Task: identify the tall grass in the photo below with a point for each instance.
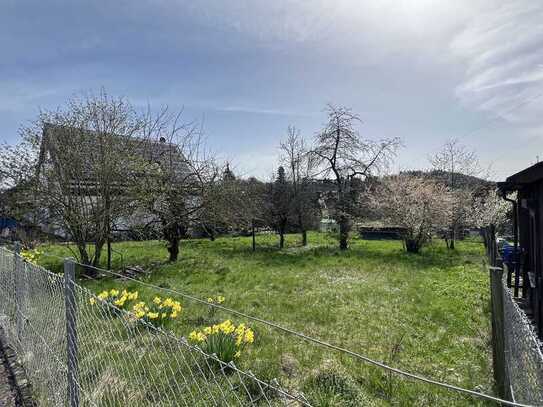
(426, 313)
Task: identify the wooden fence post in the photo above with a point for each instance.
(498, 332)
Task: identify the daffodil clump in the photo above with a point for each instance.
(225, 340)
(158, 312)
(31, 256)
(120, 299)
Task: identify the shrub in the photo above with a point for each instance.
(225, 340)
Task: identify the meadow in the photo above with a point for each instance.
(425, 313)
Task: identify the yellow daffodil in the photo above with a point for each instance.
(249, 336)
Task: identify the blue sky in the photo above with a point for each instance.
(421, 70)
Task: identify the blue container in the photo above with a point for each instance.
(7, 223)
(508, 253)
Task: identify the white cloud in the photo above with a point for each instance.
(256, 110)
(501, 49)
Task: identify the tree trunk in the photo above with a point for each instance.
(412, 246)
(254, 235)
(304, 237)
(85, 260)
(344, 229)
(173, 232)
(281, 239)
(173, 248)
(108, 253)
(451, 242)
(97, 253)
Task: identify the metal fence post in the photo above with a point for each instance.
(17, 274)
(71, 332)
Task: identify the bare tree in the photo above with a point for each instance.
(342, 154)
(456, 160)
(235, 205)
(216, 201)
(300, 165)
(417, 204)
(78, 158)
(173, 179)
(17, 169)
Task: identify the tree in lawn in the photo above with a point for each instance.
(251, 206)
(489, 208)
(454, 160)
(219, 199)
(343, 155)
(300, 166)
(81, 156)
(281, 205)
(237, 205)
(17, 170)
(417, 204)
(172, 183)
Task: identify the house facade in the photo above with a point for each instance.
(74, 156)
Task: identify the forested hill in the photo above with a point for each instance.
(460, 180)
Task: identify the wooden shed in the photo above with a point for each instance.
(526, 276)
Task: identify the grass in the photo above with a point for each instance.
(425, 313)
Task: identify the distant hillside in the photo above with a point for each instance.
(460, 180)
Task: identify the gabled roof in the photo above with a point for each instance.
(156, 151)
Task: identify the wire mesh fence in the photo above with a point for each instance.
(80, 350)
(524, 359)
(518, 359)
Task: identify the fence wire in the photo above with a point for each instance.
(518, 357)
(523, 357)
(118, 360)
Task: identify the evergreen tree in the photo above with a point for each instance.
(280, 205)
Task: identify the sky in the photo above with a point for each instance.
(425, 71)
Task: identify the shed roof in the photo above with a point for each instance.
(527, 176)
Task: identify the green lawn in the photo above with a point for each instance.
(425, 313)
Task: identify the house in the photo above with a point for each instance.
(84, 162)
(526, 269)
